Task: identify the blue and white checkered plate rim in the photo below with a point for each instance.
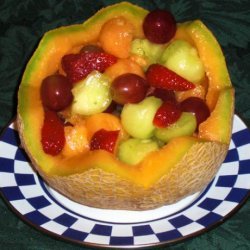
(54, 214)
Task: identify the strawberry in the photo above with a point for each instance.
(53, 138)
(104, 139)
(78, 66)
(167, 114)
(161, 77)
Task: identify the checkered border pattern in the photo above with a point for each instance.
(21, 187)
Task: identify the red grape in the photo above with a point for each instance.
(91, 48)
(163, 94)
(197, 106)
(129, 88)
(56, 92)
(159, 26)
(111, 108)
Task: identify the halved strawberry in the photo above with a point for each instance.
(53, 138)
(161, 77)
(104, 139)
(78, 66)
(167, 114)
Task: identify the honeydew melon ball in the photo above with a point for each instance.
(184, 126)
(92, 95)
(133, 150)
(148, 50)
(182, 58)
(137, 119)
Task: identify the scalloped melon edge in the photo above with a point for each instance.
(99, 188)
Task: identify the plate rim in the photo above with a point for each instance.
(175, 241)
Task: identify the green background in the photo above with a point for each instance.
(22, 24)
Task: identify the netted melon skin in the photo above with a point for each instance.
(100, 189)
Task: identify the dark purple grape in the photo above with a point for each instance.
(91, 48)
(111, 108)
(159, 26)
(129, 88)
(198, 107)
(163, 94)
(56, 92)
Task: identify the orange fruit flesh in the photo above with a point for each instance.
(76, 140)
(124, 66)
(116, 36)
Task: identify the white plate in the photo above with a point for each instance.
(54, 214)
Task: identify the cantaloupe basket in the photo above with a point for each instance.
(97, 178)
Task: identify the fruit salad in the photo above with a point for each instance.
(129, 110)
(154, 87)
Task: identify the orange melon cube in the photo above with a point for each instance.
(116, 36)
(104, 121)
(76, 140)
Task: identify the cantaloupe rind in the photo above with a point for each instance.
(182, 167)
(102, 189)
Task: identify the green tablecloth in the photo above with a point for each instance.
(22, 25)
